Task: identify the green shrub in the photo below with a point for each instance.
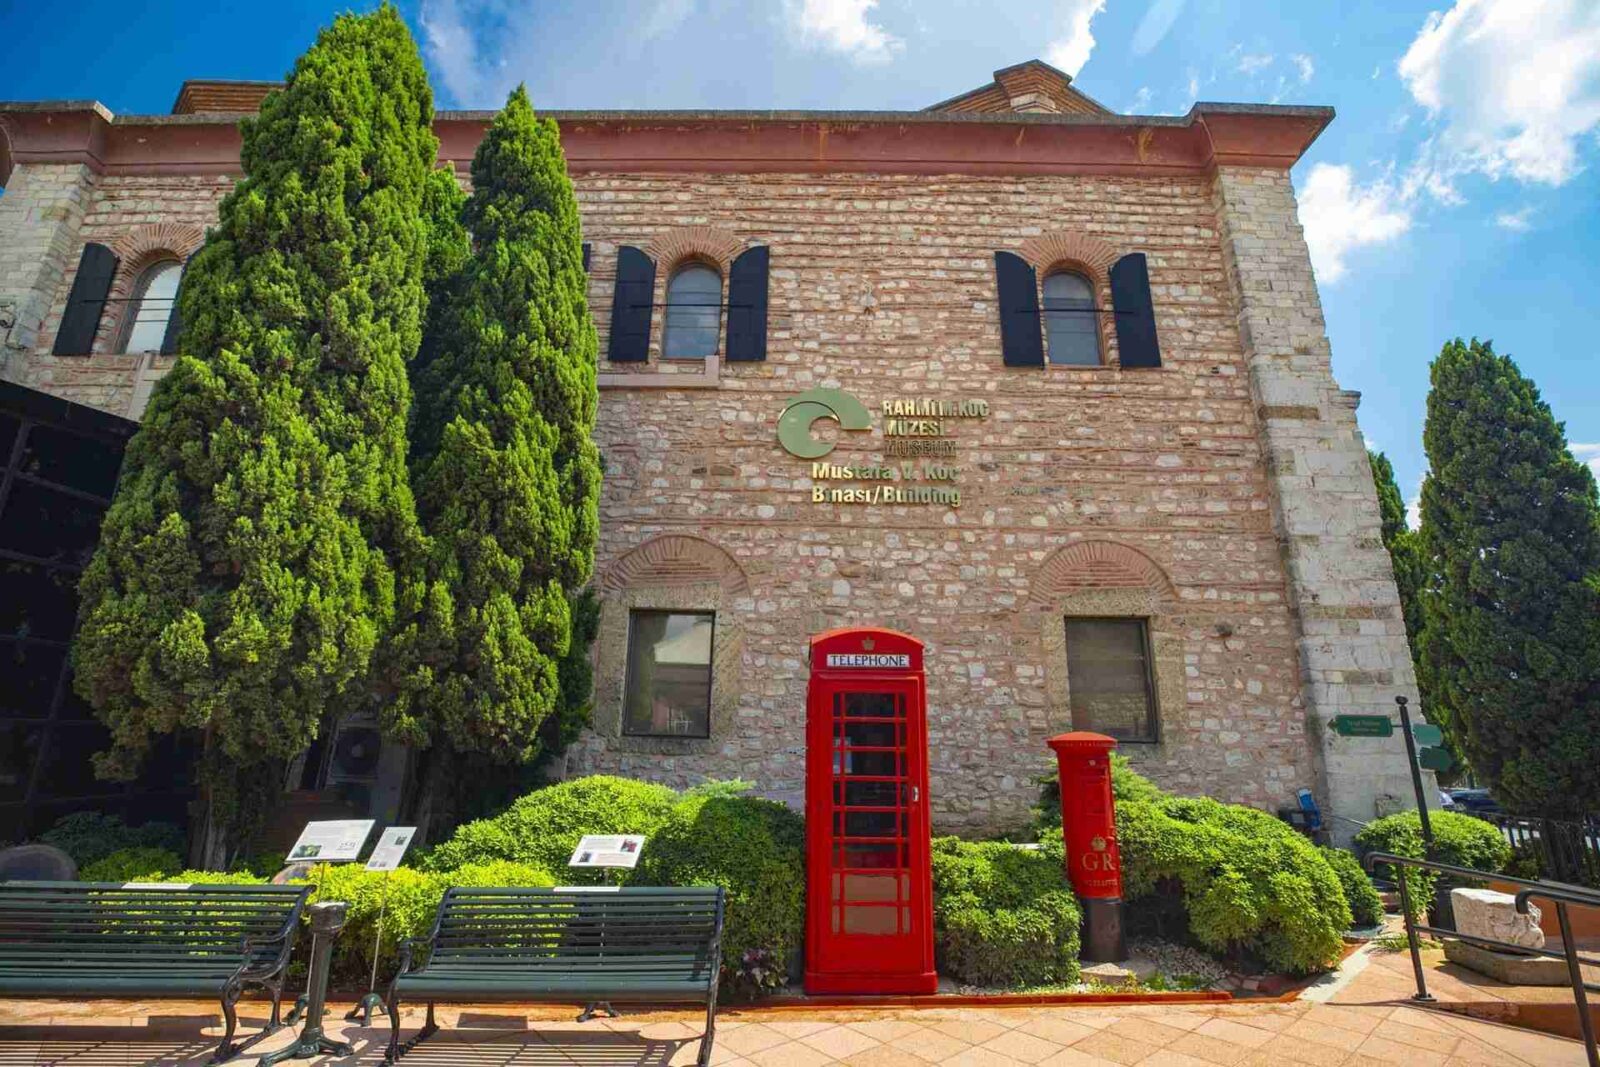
(89, 836)
(1246, 883)
(543, 827)
(1366, 907)
(1460, 840)
(413, 901)
(755, 850)
(141, 864)
(1003, 916)
(193, 877)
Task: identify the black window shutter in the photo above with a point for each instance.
(1021, 339)
(747, 306)
(1136, 316)
(87, 301)
(586, 257)
(630, 306)
(169, 339)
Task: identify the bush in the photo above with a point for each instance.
(133, 865)
(193, 877)
(1458, 839)
(1003, 916)
(755, 850)
(413, 901)
(1246, 883)
(543, 827)
(1366, 907)
(90, 836)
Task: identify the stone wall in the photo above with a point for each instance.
(1085, 491)
(40, 217)
(1353, 652)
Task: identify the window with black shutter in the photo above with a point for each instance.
(1135, 313)
(1017, 292)
(630, 306)
(86, 302)
(747, 306)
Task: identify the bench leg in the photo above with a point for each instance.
(711, 1030)
(392, 1053)
(230, 1015)
(598, 1005)
(275, 1023)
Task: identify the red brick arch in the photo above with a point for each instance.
(675, 560)
(1068, 248)
(137, 251)
(710, 243)
(1095, 565)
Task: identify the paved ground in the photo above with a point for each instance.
(1359, 1018)
(89, 1034)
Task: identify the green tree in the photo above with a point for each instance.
(1403, 543)
(246, 569)
(506, 470)
(1511, 636)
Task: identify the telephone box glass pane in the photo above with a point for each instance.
(669, 675)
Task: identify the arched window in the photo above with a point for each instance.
(694, 310)
(154, 299)
(1069, 319)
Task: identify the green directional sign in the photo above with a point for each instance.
(1435, 759)
(1427, 734)
(1363, 725)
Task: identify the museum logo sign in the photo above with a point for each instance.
(916, 435)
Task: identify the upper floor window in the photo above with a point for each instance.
(694, 313)
(1109, 683)
(154, 300)
(668, 682)
(1071, 331)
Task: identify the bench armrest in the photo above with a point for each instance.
(250, 945)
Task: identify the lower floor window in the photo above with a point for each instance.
(1108, 678)
(668, 687)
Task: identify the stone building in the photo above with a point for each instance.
(1060, 405)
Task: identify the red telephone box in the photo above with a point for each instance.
(869, 924)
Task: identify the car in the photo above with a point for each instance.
(1475, 802)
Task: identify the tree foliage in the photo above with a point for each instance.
(247, 567)
(1403, 543)
(1511, 637)
(506, 470)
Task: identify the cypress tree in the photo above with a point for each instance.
(1511, 635)
(1403, 543)
(506, 470)
(246, 569)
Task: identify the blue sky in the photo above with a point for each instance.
(1455, 194)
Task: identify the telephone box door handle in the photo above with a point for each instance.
(915, 794)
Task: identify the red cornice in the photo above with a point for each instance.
(711, 142)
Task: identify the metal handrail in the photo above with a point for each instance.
(1559, 893)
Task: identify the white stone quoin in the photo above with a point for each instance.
(1487, 913)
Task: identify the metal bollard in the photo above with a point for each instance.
(327, 919)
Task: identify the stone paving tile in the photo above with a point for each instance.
(1115, 1047)
(1024, 1048)
(1233, 1032)
(1061, 1028)
(1146, 1030)
(930, 1045)
(790, 1054)
(1076, 1057)
(974, 1031)
(838, 1042)
(885, 1030)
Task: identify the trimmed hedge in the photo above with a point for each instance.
(755, 850)
(1366, 907)
(90, 836)
(542, 828)
(1457, 839)
(413, 901)
(133, 865)
(1003, 916)
(1247, 883)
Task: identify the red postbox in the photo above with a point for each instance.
(1089, 832)
(869, 921)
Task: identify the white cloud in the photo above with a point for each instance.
(1519, 221)
(1141, 100)
(1589, 454)
(1305, 66)
(1414, 504)
(1070, 51)
(665, 16)
(1339, 216)
(453, 49)
(842, 26)
(1194, 84)
(1376, 71)
(1514, 86)
(1253, 64)
(1157, 21)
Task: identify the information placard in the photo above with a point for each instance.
(607, 850)
(391, 848)
(335, 841)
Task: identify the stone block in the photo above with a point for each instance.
(1492, 914)
(1507, 967)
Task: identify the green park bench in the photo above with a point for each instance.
(106, 939)
(585, 945)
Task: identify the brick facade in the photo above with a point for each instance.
(1224, 497)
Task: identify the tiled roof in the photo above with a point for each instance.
(1034, 86)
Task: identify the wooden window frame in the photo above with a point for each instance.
(627, 672)
(1152, 701)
